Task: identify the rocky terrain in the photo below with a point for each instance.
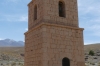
(11, 53)
(95, 59)
(11, 56)
(14, 56)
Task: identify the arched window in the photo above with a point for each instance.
(65, 62)
(61, 9)
(35, 12)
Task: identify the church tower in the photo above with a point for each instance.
(53, 37)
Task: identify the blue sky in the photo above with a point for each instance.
(14, 20)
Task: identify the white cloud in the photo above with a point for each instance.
(95, 27)
(26, 29)
(23, 18)
(14, 18)
(1, 39)
(89, 14)
(5, 2)
(95, 30)
(89, 6)
(91, 42)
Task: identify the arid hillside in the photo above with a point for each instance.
(12, 53)
(95, 47)
(17, 53)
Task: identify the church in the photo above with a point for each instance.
(54, 37)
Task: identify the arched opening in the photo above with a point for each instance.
(35, 12)
(61, 9)
(65, 62)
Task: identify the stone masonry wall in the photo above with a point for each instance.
(60, 42)
(40, 12)
(48, 11)
(33, 47)
(48, 44)
(51, 12)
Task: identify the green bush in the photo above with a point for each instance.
(91, 52)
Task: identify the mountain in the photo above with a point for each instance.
(11, 43)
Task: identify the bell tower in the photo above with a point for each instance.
(53, 37)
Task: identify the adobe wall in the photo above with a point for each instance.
(50, 43)
(33, 47)
(62, 41)
(48, 11)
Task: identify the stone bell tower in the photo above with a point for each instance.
(53, 37)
